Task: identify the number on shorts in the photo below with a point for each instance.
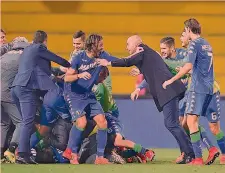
(214, 116)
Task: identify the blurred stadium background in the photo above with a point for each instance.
(116, 21)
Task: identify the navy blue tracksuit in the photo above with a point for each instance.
(32, 81)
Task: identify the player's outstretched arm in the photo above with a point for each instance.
(48, 55)
(186, 68)
(131, 60)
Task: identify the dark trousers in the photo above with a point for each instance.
(171, 121)
(27, 101)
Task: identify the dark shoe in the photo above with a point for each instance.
(184, 159)
(22, 160)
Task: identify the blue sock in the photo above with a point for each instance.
(101, 141)
(196, 143)
(75, 136)
(221, 141)
(34, 139)
(205, 138)
(70, 142)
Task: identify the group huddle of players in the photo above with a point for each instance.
(83, 96)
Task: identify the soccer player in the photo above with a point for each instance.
(104, 96)
(78, 44)
(213, 116)
(200, 94)
(31, 82)
(78, 41)
(79, 81)
(155, 71)
(53, 108)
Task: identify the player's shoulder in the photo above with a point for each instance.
(77, 55)
(181, 52)
(203, 44)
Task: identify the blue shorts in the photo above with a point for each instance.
(197, 103)
(83, 104)
(213, 110)
(114, 125)
(54, 106)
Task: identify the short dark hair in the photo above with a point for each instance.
(79, 34)
(92, 39)
(193, 25)
(40, 36)
(3, 31)
(170, 41)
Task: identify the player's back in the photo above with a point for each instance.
(203, 73)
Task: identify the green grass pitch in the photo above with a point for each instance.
(163, 163)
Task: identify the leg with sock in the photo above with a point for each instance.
(221, 143)
(196, 143)
(101, 138)
(192, 121)
(75, 139)
(35, 138)
(101, 141)
(204, 138)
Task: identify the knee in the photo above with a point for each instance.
(101, 121)
(81, 122)
(192, 121)
(215, 128)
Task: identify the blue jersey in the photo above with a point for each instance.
(201, 56)
(82, 63)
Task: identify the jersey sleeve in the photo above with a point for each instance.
(107, 56)
(192, 52)
(75, 61)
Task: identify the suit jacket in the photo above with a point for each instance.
(35, 67)
(155, 72)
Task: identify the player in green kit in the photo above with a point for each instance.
(103, 93)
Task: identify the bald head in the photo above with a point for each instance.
(133, 42)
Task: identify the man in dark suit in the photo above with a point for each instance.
(32, 81)
(155, 72)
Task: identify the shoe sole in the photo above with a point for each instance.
(214, 158)
(20, 162)
(152, 158)
(10, 160)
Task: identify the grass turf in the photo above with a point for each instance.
(163, 163)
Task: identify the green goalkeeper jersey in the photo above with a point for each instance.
(103, 93)
(179, 61)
